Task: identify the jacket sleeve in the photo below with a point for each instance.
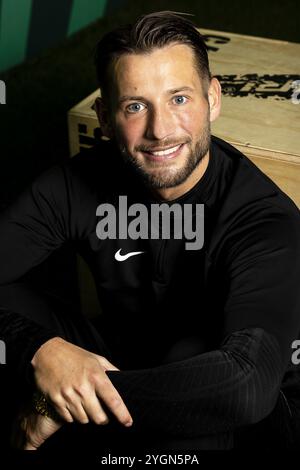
(30, 229)
(237, 384)
(33, 226)
(214, 392)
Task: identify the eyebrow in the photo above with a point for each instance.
(142, 98)
(177, 90)
(130, 98)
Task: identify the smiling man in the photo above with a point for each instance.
(165, 130)
(193, 349)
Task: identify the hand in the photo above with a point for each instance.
(37, 429)
(32, 429)
(75, 382)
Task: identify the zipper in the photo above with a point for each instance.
(286, 402)
(160, 260)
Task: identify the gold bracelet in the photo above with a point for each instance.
(43, 407)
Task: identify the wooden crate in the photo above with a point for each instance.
(260, 114)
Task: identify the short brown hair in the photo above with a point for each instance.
(147, 33)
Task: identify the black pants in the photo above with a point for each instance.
(65, 319)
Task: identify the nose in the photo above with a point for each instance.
(160, 124)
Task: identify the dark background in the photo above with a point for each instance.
(33, 123)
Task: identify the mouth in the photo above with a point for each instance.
(162, 154)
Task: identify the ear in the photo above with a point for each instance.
(103, 117)
(214, 98)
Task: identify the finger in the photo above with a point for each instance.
(105, 363)
(38, 429)
(33, 439)
(77, 412)
(29, 446)
(94, 409)
(60, 407)
(64, 413)
(70, 405)
(112, 399)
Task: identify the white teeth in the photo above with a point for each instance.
(167, 151)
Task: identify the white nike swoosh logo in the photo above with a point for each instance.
(120, 257)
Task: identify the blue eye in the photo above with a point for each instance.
(135, 107)
(180, 99)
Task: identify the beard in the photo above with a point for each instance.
(164, 177)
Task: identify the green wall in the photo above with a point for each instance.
(13, 31)
(82, 15)
(29, 26)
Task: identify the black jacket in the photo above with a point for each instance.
(237, 298)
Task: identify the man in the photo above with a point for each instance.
(202, 336)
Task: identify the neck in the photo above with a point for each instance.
(169, 194)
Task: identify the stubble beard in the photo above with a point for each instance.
(163, 179)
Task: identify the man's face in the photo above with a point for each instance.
(160, 114)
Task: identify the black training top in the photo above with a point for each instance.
(237, 298)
